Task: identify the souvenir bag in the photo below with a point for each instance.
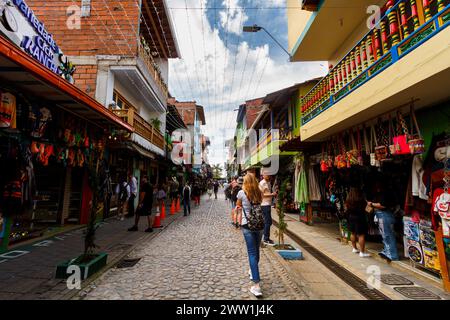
(401, 146)
(255, 218)
(373, 145)
(416, 141)
(381, 151)
(341, 158)
(360, 159)
(352, 155)
(392, 150)
(324, 162)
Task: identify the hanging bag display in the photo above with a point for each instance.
(392, 149)
(374, 162)
(381, 151)
(401, 146)
(324, 162)
(352, 155)
(416, 142)
(359, 147)
(341, 158)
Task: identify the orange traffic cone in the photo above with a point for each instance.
(163, 211)
(178, 205)
(157, 222)
(172, 208)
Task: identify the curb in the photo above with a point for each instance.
(74, 294)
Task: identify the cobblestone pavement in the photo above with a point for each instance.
(197, 257)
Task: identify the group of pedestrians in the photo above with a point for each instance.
(251, 202)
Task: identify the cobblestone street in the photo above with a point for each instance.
(197, 257)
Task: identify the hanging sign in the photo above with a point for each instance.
(19, 24)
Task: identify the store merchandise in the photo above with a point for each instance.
(7, 110)
(431, 259)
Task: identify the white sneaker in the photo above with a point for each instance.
(256, 291)
(355, 250)
(250, 274)
(364, 255)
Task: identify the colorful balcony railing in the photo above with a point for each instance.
(144, 53)
(405, 25)
(142, 127)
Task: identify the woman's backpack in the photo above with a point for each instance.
(255, 219)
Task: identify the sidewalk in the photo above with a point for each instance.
(27, 271)
(326, 241)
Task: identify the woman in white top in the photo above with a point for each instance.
(251, 194)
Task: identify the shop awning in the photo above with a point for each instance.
(21, 71)
(301, 146)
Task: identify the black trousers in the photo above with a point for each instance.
(131, 205)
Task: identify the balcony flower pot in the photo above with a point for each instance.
(288, 252)
(88, 264)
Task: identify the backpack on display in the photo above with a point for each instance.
(255, 219)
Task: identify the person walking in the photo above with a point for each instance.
(133, 193)
(187, 199)
(123, 194)
(355, 207)
(248, 198)
(266, 206)
(210, 189)
(216, 189)
(383, 203)
(196, 193)
(145, 205)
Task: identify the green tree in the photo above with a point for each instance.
(217, 171)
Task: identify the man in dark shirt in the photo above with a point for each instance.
(145, 205)
(216, 188)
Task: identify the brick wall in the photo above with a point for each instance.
(111, 29)
(86, 78)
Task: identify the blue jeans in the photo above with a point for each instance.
(267, 211)
(253, 242)
(386, 221)
(187, 206)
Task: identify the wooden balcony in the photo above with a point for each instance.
(145, 54)
(141, 127)
(405, 26)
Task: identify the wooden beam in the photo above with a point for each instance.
(161, 43)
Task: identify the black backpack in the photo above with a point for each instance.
(228, 192)
(255, 218)
(123, 194)
(235, 192)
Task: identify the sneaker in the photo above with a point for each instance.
(250, 274)
(364, 255)
(382, 255)
(269, 242)
(256, 291)
(133, 228)
(149, 230)
(355, 250)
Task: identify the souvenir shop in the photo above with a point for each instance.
(49, 132)
(406, 153)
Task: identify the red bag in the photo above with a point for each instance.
(416, 142)
(401, 146)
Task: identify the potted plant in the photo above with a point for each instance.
(90, 262)
(286, 251)
(156, 123)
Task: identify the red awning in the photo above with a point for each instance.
(21, 70)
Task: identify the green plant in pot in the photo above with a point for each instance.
(281, 209)
(90, 261)
(156, 123)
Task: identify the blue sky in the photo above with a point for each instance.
(221, 67)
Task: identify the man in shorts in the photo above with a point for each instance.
(145, 205)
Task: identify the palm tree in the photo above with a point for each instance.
(217, 171)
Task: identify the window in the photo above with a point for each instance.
(85, 8)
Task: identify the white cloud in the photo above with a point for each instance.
(233, 16)
(222, 77)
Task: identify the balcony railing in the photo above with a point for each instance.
(141, 127)
(404, 26)
(144, 53)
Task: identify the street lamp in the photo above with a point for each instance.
(256, 28)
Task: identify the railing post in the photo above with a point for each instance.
(427, 10)
(364, 55)
(393, 23)
(404, 19)
(441, 5)
(353, 58)
(384, 37)
(130, 117)
(415, 14)
(378, 51)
